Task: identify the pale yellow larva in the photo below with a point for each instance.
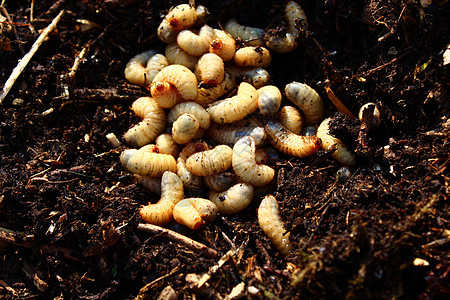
(290, 143)
(210, 69)
(153, 123)
(210, 162)
(195, 212)
(291, 118)
(271, 224)
(172, 192)
(269, 100)
(193, 147)
(190, 181)
(308, 100)
(235, 108)
(341, 153)
(165, 94)
(252, 57)
(191, 108)
(152, 184)
(282, 44)
(166, 32)
(252, 36)
(223, 45)
(220, 182)
(193, 43)
(135, 70)
(177, 56)
(185, 129)
(261, 156)
(155, 64)
(233, 200)
(256, 76)
(206, 96)
(167, 145)
(181, 16)
(147, 163)
(230, 133)
(150, 148)
(245, 166)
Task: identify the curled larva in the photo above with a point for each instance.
(166, 33)
(210, 69)
(245, 166)
(165, 94)
(136, 69)
(291, 118)
(270, 222)
(230, 133)
(190, 181)
(223, 45)
(256, 76)
(147, 163)
(290, 143)
(153, 123)
(206, 96)
(195, 212)
(220, 182)
(282, 44)
(155, 64)
(252, 36)
(374, 115)
(210, 162)
(152, 184)
(234, 200)
(167, 145)
(235, 108)
(185, 129)
(269, 100)
(150, 148)
(193, 43)
(341, 153)
(181, 16)
(177, 56)
(161, 213)
(252, 57)
(308, 100)
(191, 108)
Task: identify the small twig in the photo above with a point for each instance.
(8, 288)
(190, 243)
(338, 103)
(26, 59)
(31, 273)
(52, 9)
(150, 285)
(369, 72)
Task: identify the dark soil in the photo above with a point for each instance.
(69, 211)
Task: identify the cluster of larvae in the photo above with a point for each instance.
(198, 133)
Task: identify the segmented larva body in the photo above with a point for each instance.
(136, 69)
(290, 143)
(181, 16)
(150, 127)
(376, 115)
(261, 156)
(270, 222)
(210, 162)
(291, 118)
(294, 13)
(167, 145)
(147, 163)
(252, 57)
(230, 133)
(150, 148)
(223, 45)
(152, 184)
(155, 64)
(282, 44)
(195, 212)
(342, 154)
(190, 180)
(234, 200)
(165, 94)
(206, 96)
(193, 147)
(202, 15)
(245, 166)
(220, 182)
(166, 33)
(308, 100)
(185, 129)
(210, 69)
(251, 35)
(177, 56)
(193, 43)
(191, 108)
(256, 76)
(269, 100)
(172, 192)
(235, 108)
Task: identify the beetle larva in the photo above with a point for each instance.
(290, 143)
(167, 145)
(190, 180)
(161, 213)
(135, 70)
(375, 115)
(291, 118)
(166, 33)
(252, 36)
(185, 129)
(177, 56)
(295, 13)
(261, 156)
(210, 162)
(342, 154)
(256, 76)
(206, 96)
(181, 16)
(150, 148)
(153, 184)
(210, 69)
(252, 57)
(195, 44)
(234, 200)
(270, 222)
(269, 100)
(220, 182)
(165, 94)
(308, 100)
(202, 15)
(148, 129)
(146, 163)
(191, 108)
(230, 133)
(195, 212)
(245, 166)
(282, 44)
(223, 45)
(235, 108)
(155, 64)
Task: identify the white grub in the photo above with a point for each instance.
(235, 108)
(308, 100)
(234, 200)
(291, 118)
(147, 163)
(223, 45)
(290, 143)
(245, 166)
(252, 36)
(206, 96)
(165, 94)
(161, 213)
(191, 108)
(341, 153)
(152, 184)
(282, 44)
(210, 69)
(230, 133)
(271, 224)
(113, 140)
(256, 76)
(177, 56)
(153, 123)
(195, 212)
(151, 148)
(136, 69)
(193, 147)
(185, 129)
(178, 18)
(167, 145)
(252, 57)
(261, 156)
(373, 117)
(155, 64)
(210, 162)
(166, 33)
(269, 100)
(220, 182)
(193, 43)
(190, 181)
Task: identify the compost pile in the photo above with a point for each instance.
(69, 212)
